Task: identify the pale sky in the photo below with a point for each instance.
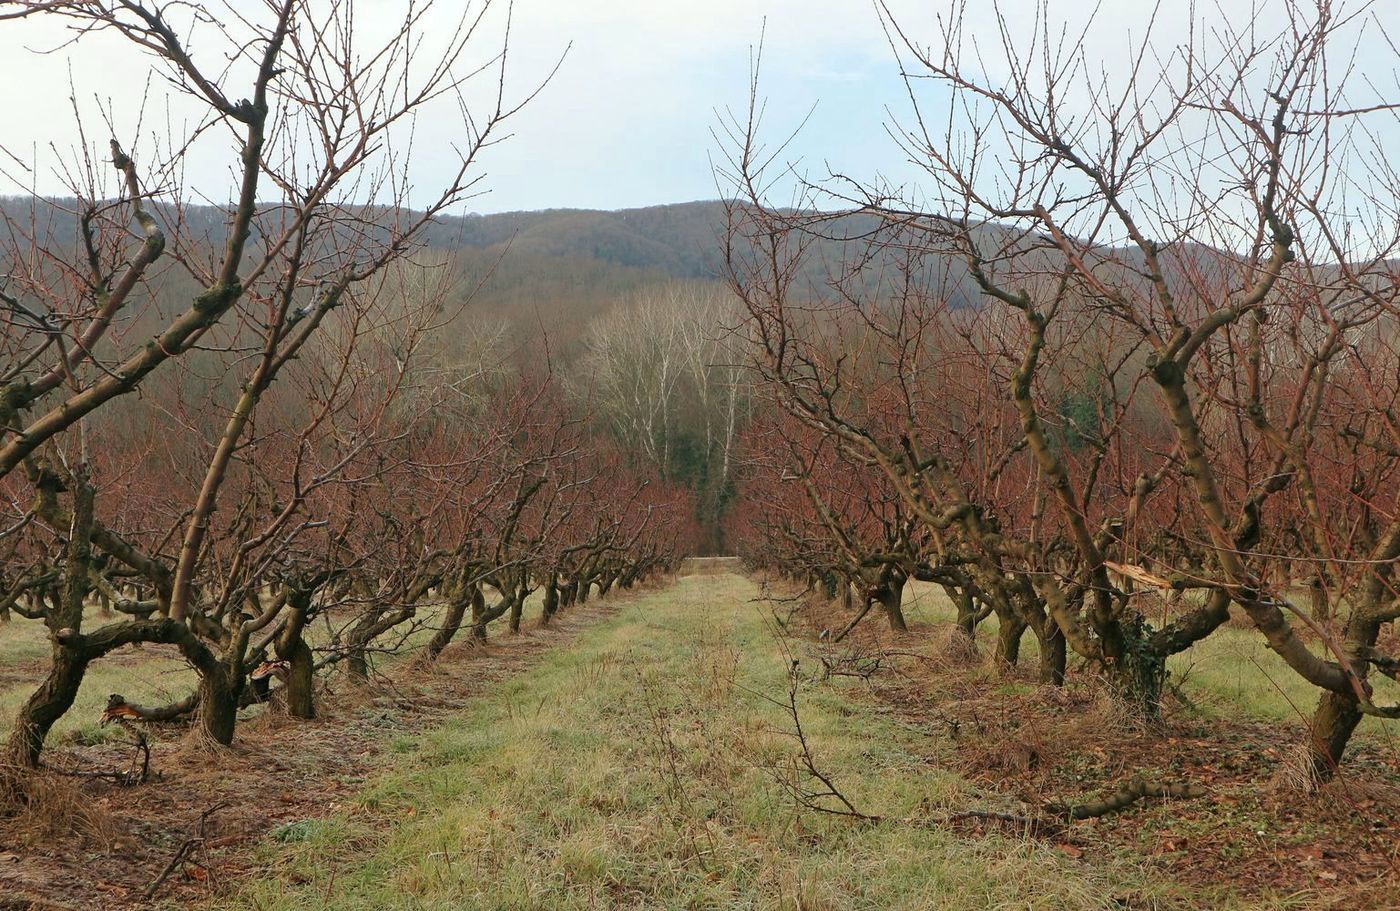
(628, 119)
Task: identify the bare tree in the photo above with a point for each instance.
(662, 372)
(288, 284)
(1167, 315)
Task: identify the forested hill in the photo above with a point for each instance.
(559, 264)
(595, 298)
(682, 240)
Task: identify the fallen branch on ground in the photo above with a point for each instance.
(185, 853)
(1126, 796)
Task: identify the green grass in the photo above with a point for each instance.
(628, 770)
(150, 675)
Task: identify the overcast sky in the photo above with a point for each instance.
(628, 119)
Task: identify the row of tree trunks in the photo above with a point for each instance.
(223, 681)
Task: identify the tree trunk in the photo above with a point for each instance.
(1318, 595)
(1052, 653)
(357, 649)
(517, 610)
(967, 610)
(1010, 629)
(551, 599)
(582, 586)
(69, 662)
(301, 679)
(357, 664)
(357, 646)
(372, 625)
(479, 618)
(1329, 732)
(451, 622)
(891, 597)
(44, 707)
(291, 647)
(218, 703)
(1337, 714)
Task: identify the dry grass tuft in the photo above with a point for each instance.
(45, 807)
(197, 746)
(953, 647)
(1108, 716)
(1295, 772)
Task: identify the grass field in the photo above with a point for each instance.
(643, 765)
(631, 770)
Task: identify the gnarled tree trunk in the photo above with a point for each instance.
(517, 610)
(68, 663)
(551, 599)
(890, 596)
(457, 604)
(1338, 714)
(44, 707)
(1010, 629)
(291, 647)
(480, 615)
(1052, 653)
(219, 690)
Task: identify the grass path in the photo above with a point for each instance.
(627, 771)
